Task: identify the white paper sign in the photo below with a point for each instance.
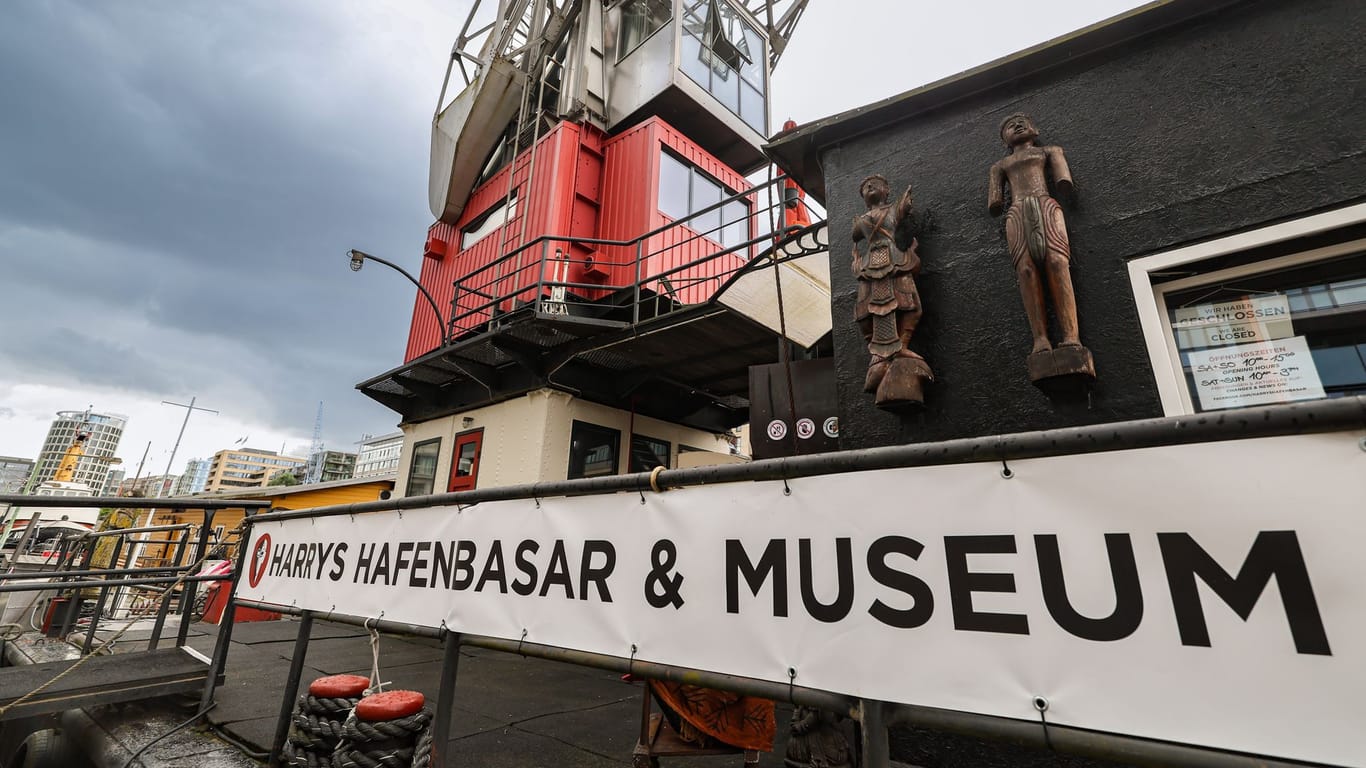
(1205, 594)
(1245, 320)
(1255, 374)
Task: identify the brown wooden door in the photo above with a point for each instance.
(465, 460)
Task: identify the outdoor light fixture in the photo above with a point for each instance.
(358, 260)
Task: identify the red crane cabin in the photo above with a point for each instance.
(586, 185)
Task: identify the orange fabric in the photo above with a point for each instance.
(746, 722)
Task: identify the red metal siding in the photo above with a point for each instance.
(630, 181)
(631, 208)
(680, 246)
(562, 199)
(585, 186)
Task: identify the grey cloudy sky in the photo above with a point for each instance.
(179, 182)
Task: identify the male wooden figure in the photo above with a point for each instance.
(888, 306)
(1036, 236)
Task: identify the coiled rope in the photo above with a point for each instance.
(401, 742)
(348, 721)
(319, 717)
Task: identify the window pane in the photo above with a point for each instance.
(639, 20)
(464, 463)
(673, 186)
(1349, 292)
(648, 453)
(422, 471)
(752, 109)
(592, 450)
(1340, 366)
(488, 223)
(693, 61)
(725, 86)
(735, 223)
(753, 70)
(727, 37)
(705, 192)
(1272, 336)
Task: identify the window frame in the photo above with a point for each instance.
(1150, 298)
(412, 461)
(574, 428)
(709, 58)
(728, 197)
(456, 482)
(631, 455)
(504, 208)
(622, 51)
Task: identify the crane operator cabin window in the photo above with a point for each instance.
(639, 20)
(725, 55)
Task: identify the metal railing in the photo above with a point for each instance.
(683, 263)
(1347, 413)
(86, 574)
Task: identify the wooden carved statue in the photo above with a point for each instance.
(817, 740)
(888, 305)
(1036, 237)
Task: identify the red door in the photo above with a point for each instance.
(465, 460)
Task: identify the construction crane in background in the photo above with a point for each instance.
(315, 449)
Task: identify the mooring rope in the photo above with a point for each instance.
(404, 742)
(343, 723)
(318, 720)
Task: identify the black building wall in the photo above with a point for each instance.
(1240, 118)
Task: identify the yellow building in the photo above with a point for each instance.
(227, 521)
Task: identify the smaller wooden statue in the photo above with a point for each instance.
(817, 740)
(888, 306)
(1036, 237)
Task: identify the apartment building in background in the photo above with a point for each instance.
(327, 466)
(193, 479)
(150, 487)
(233, 469)
(379, 455)
(104, 430)
(14, 473)
(112, 483)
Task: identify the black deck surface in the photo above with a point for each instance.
(509, 711)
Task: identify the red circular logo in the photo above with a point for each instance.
(260, 556)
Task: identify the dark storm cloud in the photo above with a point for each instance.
(75, 356)
(201, 169)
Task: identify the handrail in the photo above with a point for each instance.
(124, 502)
(180, 582)
(485, 281)
(145, 529)
(112, 583)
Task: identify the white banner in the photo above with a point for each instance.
(1206, 594)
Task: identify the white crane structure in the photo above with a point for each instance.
(526, 64)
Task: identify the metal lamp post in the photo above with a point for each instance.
(358, 259)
